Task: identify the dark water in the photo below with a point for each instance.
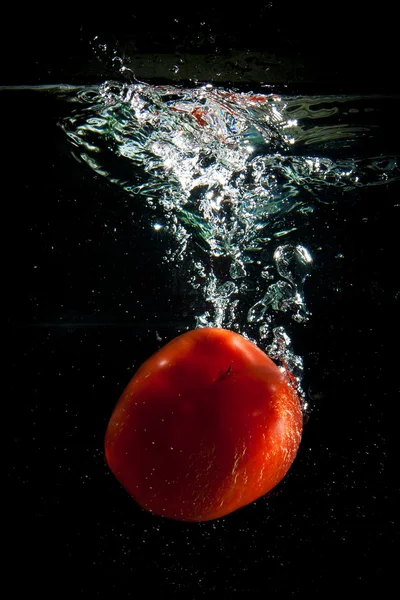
(93, 288)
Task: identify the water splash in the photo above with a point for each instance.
(230, 176)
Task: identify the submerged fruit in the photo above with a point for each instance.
(207, 425)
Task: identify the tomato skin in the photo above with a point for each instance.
(206, 425)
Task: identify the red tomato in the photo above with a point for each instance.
(207, 425)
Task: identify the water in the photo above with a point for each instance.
(233, 179)
(83, 251)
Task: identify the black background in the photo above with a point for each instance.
(86, 305)
(334, 45)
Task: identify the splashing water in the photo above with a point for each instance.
(229, 175)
